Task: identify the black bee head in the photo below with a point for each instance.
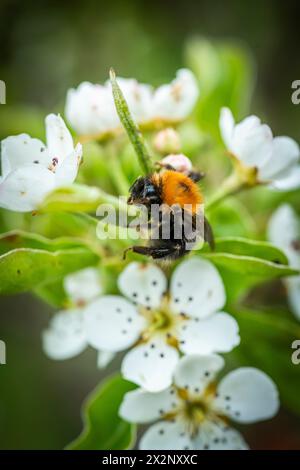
(144, 191)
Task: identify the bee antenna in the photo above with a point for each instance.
(126, 251)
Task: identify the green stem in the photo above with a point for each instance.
(130, 126)
(231, 185)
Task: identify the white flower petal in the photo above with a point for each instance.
(197, 288)
(166, 435)
(293, 288)
(20, 150)
(140, 406)
(65, 337)
(59, 139)
(218, 436)
(90, 109)
(284, 230)
(143, 283)
(247, 395)
(66, 172)
(195, 372)
(284, 156)
(104, 358)
(137, 95)
(84, 285)
(252, 142)
(283, 226)
(25, 188)
(290, 182)
(112, 323)
(176, 100)
(151, 365)
(226, 126)
(218, 333)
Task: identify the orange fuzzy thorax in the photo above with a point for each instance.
(178, 188)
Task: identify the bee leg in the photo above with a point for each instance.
(170, 251)
(165, 166)
(161, 252)
(208, 234)
(156, 252)
(196, 176)
(141, 250)
(126, 251)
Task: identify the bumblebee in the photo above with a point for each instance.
(172, 191)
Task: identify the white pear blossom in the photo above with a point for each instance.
(157, 324)
(291, 182)
(30, 169)
(175, 101)
(275, 159)
(90, 108)
(284, 232)
(138, 97)
(83, 286)
(66, 337)
(194, 413)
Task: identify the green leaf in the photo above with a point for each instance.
(226, 77)
(130, 126)
(11, 220)
(53, 293)
(23, 269)
(246, 247)
(103, 428)
(240, 272)
(232, 217)
(266, 340)
(260, 269)
(76, 198)
(21, 239)
(70, 224)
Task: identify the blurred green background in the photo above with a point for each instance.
(49, 46)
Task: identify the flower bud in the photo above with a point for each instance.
(167, 141)
(178, 162)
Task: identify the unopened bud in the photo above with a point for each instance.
(167, 141)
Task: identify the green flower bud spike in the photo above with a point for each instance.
(130, 126)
